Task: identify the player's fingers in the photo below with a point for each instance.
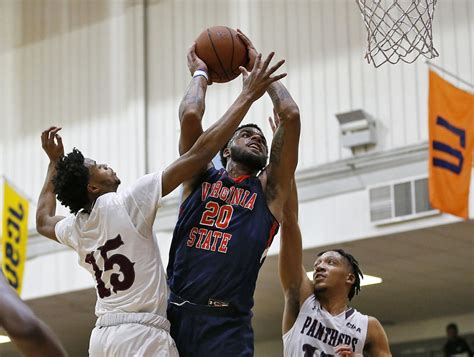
(272, 124)
(59, 139)
(276, 66)
(243, 37)
(277, 77)
(244, 71)
(53, 133)
(257, 62)
(267, 61)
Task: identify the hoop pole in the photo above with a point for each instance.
(431, 64)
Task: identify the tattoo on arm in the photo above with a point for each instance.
(194, 96)
(275, 155)
(279, 95)
(277, 145)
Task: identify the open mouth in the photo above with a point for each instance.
(255, 147)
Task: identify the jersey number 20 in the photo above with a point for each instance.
(216, 215)
(124, 264)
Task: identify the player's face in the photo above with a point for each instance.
(331, 271)
(249, 147)
(102, 177)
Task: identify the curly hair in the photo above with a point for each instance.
(221, 152)
(354, 264)
(70, 181)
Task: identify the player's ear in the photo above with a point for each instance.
(93, 189)
(226, 152)
(350, 278)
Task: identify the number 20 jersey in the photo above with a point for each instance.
(221, 239)
(116, 245)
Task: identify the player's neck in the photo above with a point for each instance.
(235, 169)
(334, 304)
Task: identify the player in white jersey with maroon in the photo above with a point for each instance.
(317, 320)
(112, 232)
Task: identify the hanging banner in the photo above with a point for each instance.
(14, 236)
(451, 135)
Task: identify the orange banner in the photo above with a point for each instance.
(451, 135)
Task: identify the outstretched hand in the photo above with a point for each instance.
(256, 82)
(52, 143)
(194, 62)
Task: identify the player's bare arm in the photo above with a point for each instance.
(191, 111)
(30, 335)
(46, 218)
(192, 106)
(284, 150)
(255, 84)
(377, 342)
(294, 281)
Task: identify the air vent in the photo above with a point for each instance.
(400, 201)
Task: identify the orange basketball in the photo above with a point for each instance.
(223, 52)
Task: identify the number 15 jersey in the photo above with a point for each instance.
(221, 239)
(115, 243)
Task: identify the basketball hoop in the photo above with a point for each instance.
(398, 30)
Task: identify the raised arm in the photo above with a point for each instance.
(46, 218)
(294, 281)
(376, 342)
(213, 139)
(31, 336)
(191, 109)
(284, 150)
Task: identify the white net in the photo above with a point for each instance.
(398, 30)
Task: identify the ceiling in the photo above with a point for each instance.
(427, 273)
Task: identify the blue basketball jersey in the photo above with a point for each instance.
(221, 239)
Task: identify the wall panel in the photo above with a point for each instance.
(77, 64)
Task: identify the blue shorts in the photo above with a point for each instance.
(199, 334)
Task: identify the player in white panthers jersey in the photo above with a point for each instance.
(317, 320)
(112, 232)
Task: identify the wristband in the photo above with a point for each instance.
(200, 72)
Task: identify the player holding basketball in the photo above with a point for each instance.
(112, 232)
(30, 335)
(317, 320)
(226, 224)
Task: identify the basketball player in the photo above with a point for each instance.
(30, 335)
(226, 224)
(112, 232)
(317, 320)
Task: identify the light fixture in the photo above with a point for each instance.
(4, 339)
(368, 279)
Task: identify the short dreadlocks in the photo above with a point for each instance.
(70, 181)
(355, 270)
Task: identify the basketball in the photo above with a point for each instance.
(223, 52)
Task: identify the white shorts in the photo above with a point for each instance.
(132, 334)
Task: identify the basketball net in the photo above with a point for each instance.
(398, 30)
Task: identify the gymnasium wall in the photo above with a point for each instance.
(88, 65)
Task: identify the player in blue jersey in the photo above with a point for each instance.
(226, 224)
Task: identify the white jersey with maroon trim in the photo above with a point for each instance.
(317, 333)
(116, 244)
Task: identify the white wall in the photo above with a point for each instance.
(324, 43)
(80, 64)
(76, 64)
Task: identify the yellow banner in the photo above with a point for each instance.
(15, 236)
